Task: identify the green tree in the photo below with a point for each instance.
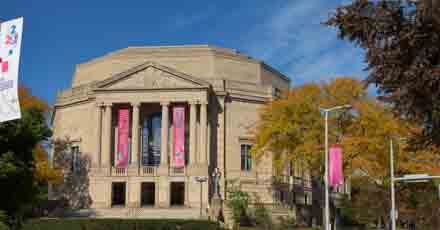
(18, 140)
(400, 39)
(292, 129)
(238, 202)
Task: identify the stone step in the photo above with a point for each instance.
(147, 213)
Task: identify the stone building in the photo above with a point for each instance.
(135, 169)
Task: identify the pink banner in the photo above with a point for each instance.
(179, 136)
(123, 135)
(336, 174)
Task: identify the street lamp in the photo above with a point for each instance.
(201, 179)
(326, 187)
(412, 178)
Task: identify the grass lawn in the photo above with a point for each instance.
(118, 224)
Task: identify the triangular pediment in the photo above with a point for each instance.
(151, 76)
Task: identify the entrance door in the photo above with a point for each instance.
(118, 194)
(177, 193)
(151, 139)
(147, 194)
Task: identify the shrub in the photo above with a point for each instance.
(3, 220)
(118, 224)
(262, 217)
(238, 202)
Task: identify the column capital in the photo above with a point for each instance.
(193, 102)
(107, 104)
(164, 103)
(99, 104)
(203, 102)
(135, 104)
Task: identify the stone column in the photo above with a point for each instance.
(164, 134)
(192, 133)
(97, 155)
(135, 135)
(203, 133)
(221, 142)
(106, 136)
(170, 143)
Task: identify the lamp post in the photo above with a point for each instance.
(413, 178)
(393, 196)
(201, 179)
(326, 186)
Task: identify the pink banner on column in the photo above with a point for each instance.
(336, 175)
(179, 136)
(123, 134)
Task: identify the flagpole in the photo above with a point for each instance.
(326, 187)
(393, 198)
(326, 174)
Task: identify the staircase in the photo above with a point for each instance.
(141, 213)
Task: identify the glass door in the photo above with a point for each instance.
(151, 140)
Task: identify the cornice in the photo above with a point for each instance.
(275, 71)
(249, 98)
(155, 51)
(72, 103)
(99, 90)
(179, 51)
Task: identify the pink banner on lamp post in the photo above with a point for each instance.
(179, 136)
(336, 175)
(123, 137)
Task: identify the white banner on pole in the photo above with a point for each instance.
(10, 46)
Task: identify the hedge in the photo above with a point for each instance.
(118, 224)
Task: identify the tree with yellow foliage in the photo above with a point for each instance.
(43, 172)
(292, 130)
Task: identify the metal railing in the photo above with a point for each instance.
(118, 171)
(148, 171)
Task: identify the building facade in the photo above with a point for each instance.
(154, 120)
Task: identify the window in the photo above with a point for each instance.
(246, 158)
(276, 92)
(75, 158)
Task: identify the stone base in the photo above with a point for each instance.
(162, 170)
(216, 207)
(150, 213)
(133, 170)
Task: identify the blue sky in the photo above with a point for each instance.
(286, 34)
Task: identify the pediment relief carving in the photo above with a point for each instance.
(150, 78)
